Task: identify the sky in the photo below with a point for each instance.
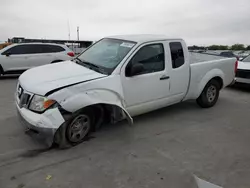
(199, 22)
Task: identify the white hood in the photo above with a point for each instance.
(244, 65)
(41, 80)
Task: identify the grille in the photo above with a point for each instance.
(243, 73)
(23, 97)
(24, 100)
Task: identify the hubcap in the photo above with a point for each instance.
(211, 93)
(78, 128)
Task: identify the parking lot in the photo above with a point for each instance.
(164, 148)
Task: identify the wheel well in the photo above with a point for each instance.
(56, 61)
(105, 113)
(219, 80)
(1, 69)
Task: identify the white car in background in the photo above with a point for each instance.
(243, 71)
(16, 58)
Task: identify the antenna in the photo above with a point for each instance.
(77, 32)
(78, 35)
(68, 30)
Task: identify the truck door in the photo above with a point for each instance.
(145, 79)
(179, 71)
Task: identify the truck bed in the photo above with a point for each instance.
(196, 57)
(203, 67)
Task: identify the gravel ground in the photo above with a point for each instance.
(164, 148)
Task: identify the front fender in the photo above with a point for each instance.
(208, 76)
(73, 102)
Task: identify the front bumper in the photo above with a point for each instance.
(42, 126)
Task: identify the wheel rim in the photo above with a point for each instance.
(78, 128)
(211, 93)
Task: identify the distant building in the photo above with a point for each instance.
(79, 43)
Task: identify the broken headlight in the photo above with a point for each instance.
(40, 103)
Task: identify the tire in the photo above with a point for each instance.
(209, 95)
(75, 130)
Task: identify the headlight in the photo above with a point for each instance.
(40, 104)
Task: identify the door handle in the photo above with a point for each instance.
(164, 77)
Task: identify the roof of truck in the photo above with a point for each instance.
(143, 37)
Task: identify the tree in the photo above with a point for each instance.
(218, 47)
(194, 47)
(238, 47)
(248, 47)
(213, 47)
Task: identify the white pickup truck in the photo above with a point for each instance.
(116, 78)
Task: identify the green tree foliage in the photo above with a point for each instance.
(238, 47)
(225, 47)
(218, 47)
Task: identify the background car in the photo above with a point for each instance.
(16, 58)
(229, 54)
(243, 71)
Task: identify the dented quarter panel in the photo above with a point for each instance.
(106, 90)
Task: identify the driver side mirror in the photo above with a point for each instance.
(136, 69)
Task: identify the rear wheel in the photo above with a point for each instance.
(209, 95)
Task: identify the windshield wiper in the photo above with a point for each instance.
(90, 65)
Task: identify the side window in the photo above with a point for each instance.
(177, 54)
(16, 50)
(151, 57)
(23, 49)
(34, 49)
(57, 48)
(52, 48)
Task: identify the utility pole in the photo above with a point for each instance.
(68, 30)
(78, 35)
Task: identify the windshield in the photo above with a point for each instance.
(106, 54)
(247, 59)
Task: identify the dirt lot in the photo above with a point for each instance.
(163, 149)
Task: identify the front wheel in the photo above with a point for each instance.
(78, 128)
(209, 95)
(75, 130)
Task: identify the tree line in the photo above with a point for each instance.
(221, 47)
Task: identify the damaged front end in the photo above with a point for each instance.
(41, 126)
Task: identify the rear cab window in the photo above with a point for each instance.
(177, 54)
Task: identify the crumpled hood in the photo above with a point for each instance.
(244, 65)
(41, 80)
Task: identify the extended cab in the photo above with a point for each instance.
(116, 78)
